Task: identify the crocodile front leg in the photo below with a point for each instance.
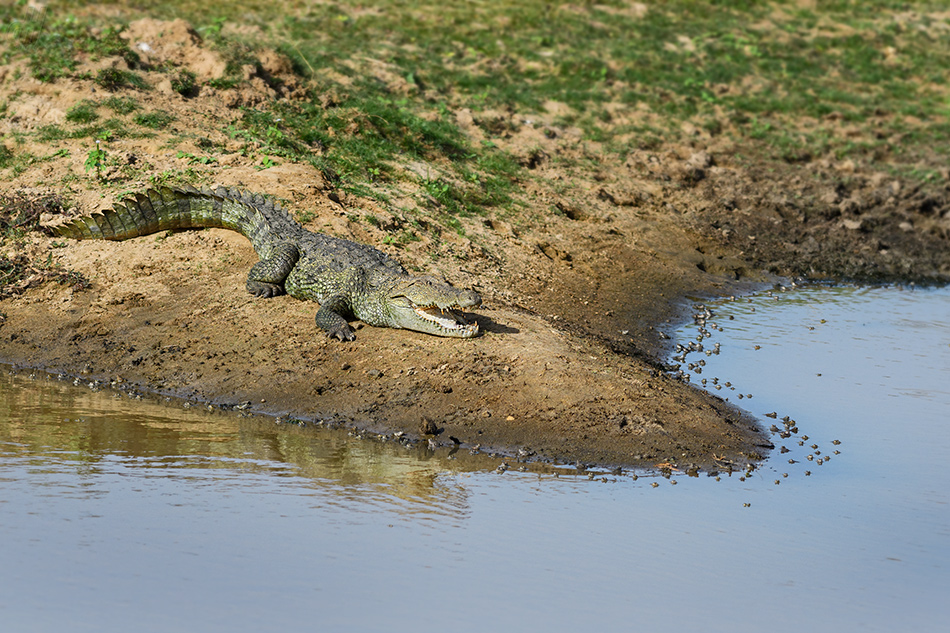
(329, 318)
(266, 278)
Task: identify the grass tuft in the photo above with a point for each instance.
(114, 79)
(156, 119)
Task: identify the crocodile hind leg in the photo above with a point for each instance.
(266, 278)
(329, 318)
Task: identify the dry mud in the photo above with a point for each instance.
(570, 363)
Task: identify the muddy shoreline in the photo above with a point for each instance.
(522, 389)
(169, 316)
(599, 254)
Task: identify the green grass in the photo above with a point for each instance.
(121, 105)
(106, 130)
(82, 112)
(114, 79)
(681, 60)
(185, 83)
(156, 119)
(52, 43)
(7, 157)
(179, 177)
(780, 80)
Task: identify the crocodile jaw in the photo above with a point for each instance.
(432, 306)
(447, 322)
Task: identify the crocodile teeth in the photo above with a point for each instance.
(446, 318)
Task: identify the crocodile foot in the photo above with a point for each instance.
(343, 332)
(264, 289)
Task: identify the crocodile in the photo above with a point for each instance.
(348, 279)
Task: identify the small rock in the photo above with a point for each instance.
(428, 427)
(851, 225)
(700, 160)
(846, 166)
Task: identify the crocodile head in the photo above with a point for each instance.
(430, 305)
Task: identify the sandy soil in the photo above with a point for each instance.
(571, 362)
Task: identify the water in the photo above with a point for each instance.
(117, 514)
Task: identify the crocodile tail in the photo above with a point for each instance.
(169, 208)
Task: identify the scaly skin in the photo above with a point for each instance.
(348, 279)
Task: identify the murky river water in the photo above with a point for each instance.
(118, 514)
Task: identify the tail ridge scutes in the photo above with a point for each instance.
(166, 208)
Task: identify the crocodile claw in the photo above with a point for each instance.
(263, 289)
(344, 333)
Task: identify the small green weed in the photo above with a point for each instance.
(52, 133)
(185, 83)
(196, 160)
(187, 176)
(305, 217)
(82, 112)
(223, 83)
(121, 105)
(6, 157)
(156, 119)
(113, 79)
(107, 130)
(96, 159)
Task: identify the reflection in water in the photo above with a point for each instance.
(75, 431)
